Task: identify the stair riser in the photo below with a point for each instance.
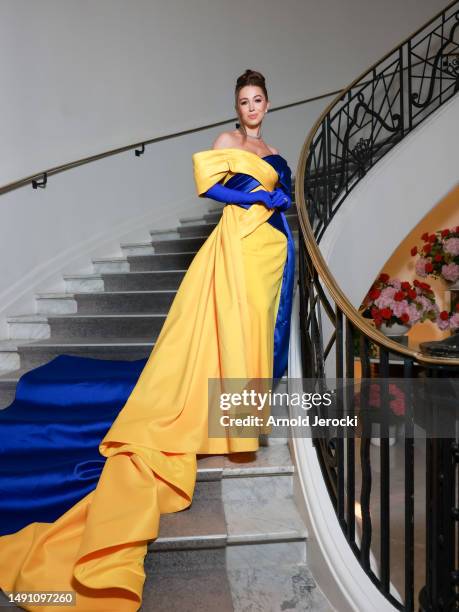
(125, 303)
(137, 249)
(77, 285)
(191, 220)
(164, 234)
(110, 266)
(9, 360)
(28, 331)
(56, 305)
(116, 327)
(7, 391)
(165, 261)
(31, 358)
(204, 229)
(261, 489)
(174, 561)
(133, 282)
(186, 589)
(178, 246)
(268, 554)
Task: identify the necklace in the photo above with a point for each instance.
(249, 135)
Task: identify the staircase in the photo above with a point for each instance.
(115, 312)
(241, 545)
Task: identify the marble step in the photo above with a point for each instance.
(220, 516)
(199, 540)
(185, 589)
(121, 302)
(161, 261)
(35, 353)
(7, 391)
(179, 245)
(164, 234)
(275, 588)
(38, 352)
(137, 248)
(86, 325)
(201, 525)
(124, 281)
(9, 357)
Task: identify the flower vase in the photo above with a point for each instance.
(376, 436)
(396, 332)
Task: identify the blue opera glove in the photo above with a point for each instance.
(280, 200)
(226, 195)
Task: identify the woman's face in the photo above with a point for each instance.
(251, 105)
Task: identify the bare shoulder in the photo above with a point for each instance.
(273, 150)
(225, 140)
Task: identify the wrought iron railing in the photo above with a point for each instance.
(376, 111)
(354, 132)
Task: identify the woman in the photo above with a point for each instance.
(96, 483)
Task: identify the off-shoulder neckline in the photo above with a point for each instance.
(249, 152)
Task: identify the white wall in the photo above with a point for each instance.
(394, 196)
(83, 76)
(80, 77)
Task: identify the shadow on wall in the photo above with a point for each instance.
(401, 264)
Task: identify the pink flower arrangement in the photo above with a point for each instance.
(396, 398)
(447, 320)
(439, 255)
(394, 301)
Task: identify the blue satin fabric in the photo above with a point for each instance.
(50, 435)
(246, 183)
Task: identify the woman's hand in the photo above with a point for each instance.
(262, 196)
(276, 199)
(280, 200)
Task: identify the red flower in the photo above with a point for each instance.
(405, 317)
(386, 313)
(416, 282)
(374, 294)
(432, 238)
(412, 293)
(414, 251)
(398, 406)
(428, 268)
(384, 277)
(405, 286)
(444, 233)
(425, 236)
(438, 257)
(424, 286)
(398, 296)
(427, 248)
(375, 312)
(444, 316)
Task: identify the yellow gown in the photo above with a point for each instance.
(220, 325)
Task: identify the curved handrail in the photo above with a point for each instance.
(314, 252)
